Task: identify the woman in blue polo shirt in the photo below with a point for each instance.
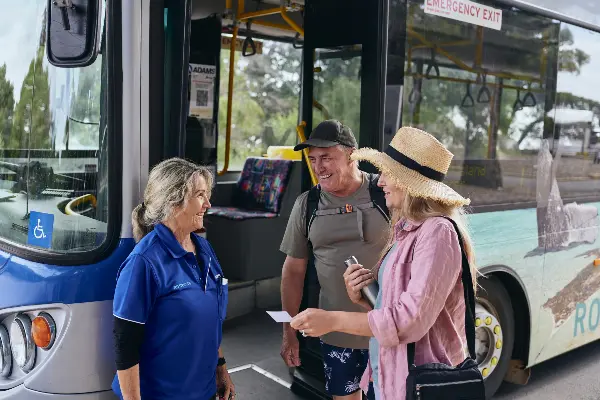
(171, 297)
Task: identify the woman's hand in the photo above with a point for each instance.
(225, 386)
(356, 277)
(313, 322)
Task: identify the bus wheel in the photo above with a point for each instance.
(494, 332)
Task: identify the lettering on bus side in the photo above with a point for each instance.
(584, 315)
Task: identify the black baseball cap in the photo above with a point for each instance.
(328, 134)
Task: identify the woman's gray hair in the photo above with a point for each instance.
(169, 186)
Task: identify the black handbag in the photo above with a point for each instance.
(441, 381)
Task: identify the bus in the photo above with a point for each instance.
(93, 93)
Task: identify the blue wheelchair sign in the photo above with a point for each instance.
(40, 229)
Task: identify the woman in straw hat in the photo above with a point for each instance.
(420, 295)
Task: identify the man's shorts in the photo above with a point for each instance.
(343, 368)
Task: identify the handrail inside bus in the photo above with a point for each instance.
(77, 201)
(302, 137)
(459, 63)
(241, 16)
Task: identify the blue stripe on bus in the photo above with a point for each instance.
(24, 283)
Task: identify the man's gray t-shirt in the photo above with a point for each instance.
(334, 238)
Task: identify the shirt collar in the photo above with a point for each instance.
(168, 238)
(405, 224)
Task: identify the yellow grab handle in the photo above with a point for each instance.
(300, 130)
(77, 201)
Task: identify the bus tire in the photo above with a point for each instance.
(493, 310)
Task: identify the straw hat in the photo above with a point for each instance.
(416, 162)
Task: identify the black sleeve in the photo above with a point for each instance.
(128, 337)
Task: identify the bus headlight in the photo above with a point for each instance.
(5, 355)
(23, 348)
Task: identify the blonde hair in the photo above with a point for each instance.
(419, 209)
(169, 186)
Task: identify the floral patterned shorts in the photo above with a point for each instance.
(343, 368)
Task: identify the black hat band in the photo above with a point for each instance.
(415, 166)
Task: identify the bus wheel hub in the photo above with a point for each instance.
(488, 340)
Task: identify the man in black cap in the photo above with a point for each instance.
(343, 216)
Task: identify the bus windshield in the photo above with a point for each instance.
(50, 140)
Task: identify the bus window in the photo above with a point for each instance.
(575, 116)
(486, 94)
(337, 86)
(265, 101)
(53, 167)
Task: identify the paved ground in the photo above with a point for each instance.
(254, 341)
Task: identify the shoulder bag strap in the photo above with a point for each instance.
(469, 294)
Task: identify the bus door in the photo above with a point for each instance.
(343, 78)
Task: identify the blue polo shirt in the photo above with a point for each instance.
(182, 301)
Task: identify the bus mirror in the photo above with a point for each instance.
(72, 32)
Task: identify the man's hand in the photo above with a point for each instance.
(290, 348)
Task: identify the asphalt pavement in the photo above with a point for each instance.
(251, 347)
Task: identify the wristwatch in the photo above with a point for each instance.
(221, 361)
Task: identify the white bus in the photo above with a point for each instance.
(93, 93)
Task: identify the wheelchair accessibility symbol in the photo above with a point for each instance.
(41, 226)
(38, 231)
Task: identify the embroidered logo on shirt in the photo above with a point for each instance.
(182, 285)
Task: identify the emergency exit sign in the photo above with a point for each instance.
(226, 44)
(466, 11)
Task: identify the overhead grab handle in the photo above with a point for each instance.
(529, 99)
(295, 42)
(484, 95)
(468, 101)
(248, 42)
(432, 64)
(518, 104)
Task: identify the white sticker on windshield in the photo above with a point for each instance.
(466, 11)
(202, 82)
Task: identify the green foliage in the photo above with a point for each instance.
(7, 104)
(31, 121)
(265, 102)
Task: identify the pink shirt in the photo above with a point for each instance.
(422, 302)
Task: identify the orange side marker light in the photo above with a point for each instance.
(43, 331)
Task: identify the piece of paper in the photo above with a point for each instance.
(280, 316)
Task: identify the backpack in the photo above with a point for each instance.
(377, 198)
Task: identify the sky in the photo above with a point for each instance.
(20, 28)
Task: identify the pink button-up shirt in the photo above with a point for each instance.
(422, 302)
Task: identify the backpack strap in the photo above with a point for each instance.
(376, 193)
(469, 294)
(378, 196)
(312, 204)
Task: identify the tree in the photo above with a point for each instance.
(7, 104)
(265, 101)
(32, 114)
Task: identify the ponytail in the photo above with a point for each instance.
(140, 227)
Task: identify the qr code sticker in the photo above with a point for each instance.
(201, 98)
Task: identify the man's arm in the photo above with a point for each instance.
(292, 285)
